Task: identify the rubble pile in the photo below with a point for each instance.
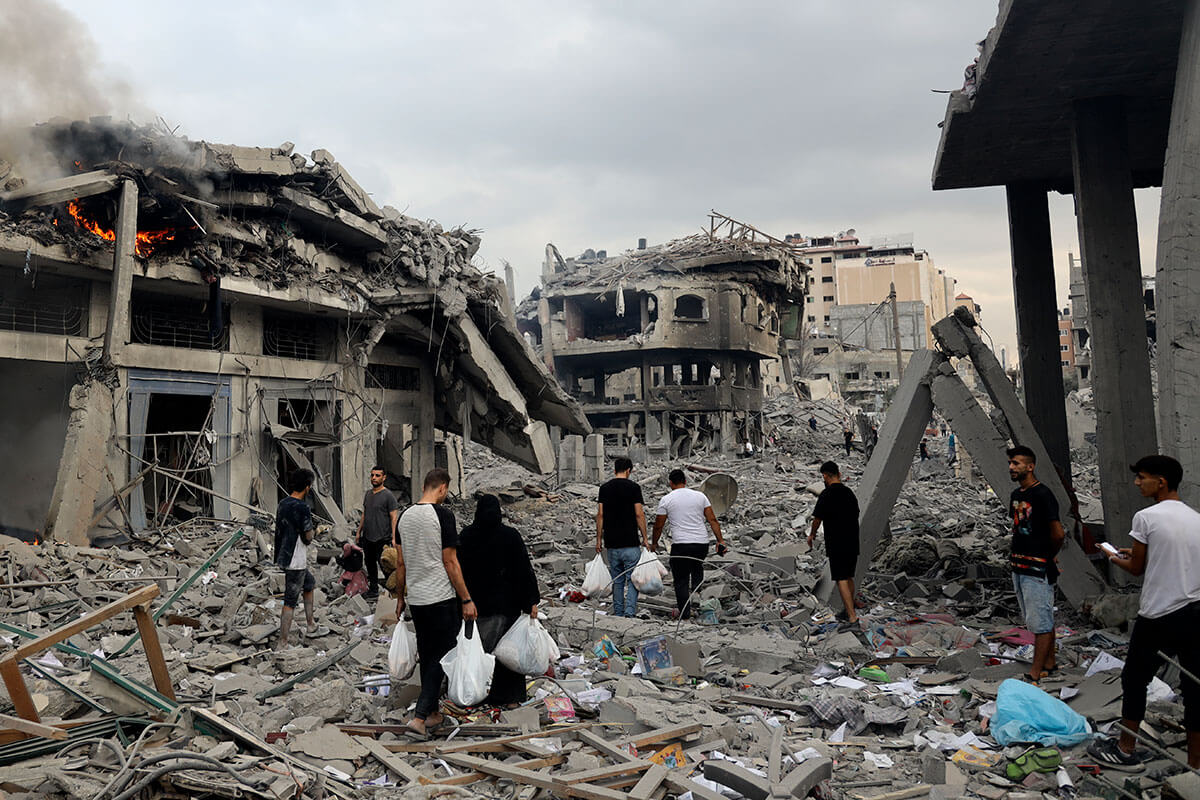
(765, 694)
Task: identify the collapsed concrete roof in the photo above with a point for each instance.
(769, 264)
(1014, 124)
(269, 225)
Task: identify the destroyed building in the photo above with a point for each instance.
(1113, 112)
(665, 345)
(182, 323)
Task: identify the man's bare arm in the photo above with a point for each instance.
(599, 527)
(395, 514)
(659, 521)
(715, 525)
(640, 512)
(1132, 559)
(454, 572)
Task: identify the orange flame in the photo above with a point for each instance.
(147, 241)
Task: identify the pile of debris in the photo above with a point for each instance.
(765, 695)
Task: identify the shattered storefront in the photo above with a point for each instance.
(665, 345)
(182, 323)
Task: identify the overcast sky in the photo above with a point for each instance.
(590, 124)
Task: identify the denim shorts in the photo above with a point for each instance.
(1035, 596)
(296, 581)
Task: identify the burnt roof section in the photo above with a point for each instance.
(1038, 58)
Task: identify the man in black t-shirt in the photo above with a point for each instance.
(837, 511)
(377, 527)
(1037, 536)
(620, 518)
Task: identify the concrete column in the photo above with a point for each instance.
(423, 432)
(116, 332)
(1037, 319)
(1177, 288)
(510, 284)
(886, 471)
(977, 436)
(1112, 279)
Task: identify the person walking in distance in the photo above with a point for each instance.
(848, 437)
(812, 423)
(1166, 551)
(427, 565)
(924, 449)
(377, 527)
(837, 512)
(688, 511)
(294, 532)
(621, 527)
(1037, 535)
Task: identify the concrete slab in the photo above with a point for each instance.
(885, 473)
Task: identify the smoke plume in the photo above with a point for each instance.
(51, 68)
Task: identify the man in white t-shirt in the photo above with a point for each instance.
(1166, 549)
(690, 514)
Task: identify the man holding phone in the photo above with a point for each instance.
(1166, 550)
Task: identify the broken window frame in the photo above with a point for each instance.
(143, 383)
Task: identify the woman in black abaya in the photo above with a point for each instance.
(499, 576)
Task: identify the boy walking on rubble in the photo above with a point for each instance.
(427, 555)
(621, 527)
(377, 527)
(837, 511)
(1166, 549)
(688, 512)
(294, 531)
(1037, 535)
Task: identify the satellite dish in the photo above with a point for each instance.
(721, 490)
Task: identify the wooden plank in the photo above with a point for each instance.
(18, 692)
(474, 777)
(604, 745)
(649, 782)
(660, 735)
(607, 771)
(8, 723)
(541, 780)
(137, 598)
(503, 740)
(764, 702)
(154, 653)
(775, 757)
(389, 761)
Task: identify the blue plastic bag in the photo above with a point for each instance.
(1024, 713)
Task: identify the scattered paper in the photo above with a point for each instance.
(839, 735)
(1103, 663)
(879, 760)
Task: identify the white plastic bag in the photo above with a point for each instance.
(468, 669)
(596, 580)
(648, 575)
(526, 648)
(402, 654)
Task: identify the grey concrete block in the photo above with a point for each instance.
(804, 778)
(741, 780)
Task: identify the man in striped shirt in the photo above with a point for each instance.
(427, 565)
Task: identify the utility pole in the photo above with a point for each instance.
(896, 331)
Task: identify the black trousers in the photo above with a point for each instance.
(371, 553)
(687, 570)
(436, 627)
(1174, 634)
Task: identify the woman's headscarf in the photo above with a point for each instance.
(487, 514)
